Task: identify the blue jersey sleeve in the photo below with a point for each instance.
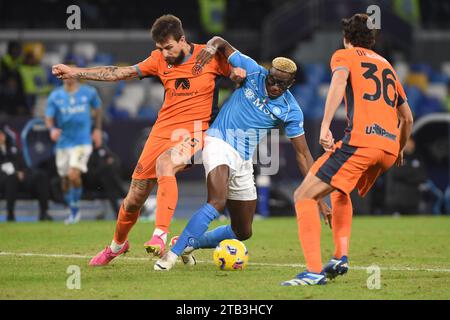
(239, 60)
(294, 122)
(95, 99)
(50, 111)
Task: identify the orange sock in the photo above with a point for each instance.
(125, 221)
(166, 202)
(309, 229)
(341, 205)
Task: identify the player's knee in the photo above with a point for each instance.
(74, 177)
(218, 204)
(243, 234)
(164, 165)
(299, 194)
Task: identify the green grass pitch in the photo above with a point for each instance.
(413, 254)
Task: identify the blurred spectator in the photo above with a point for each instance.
(103, 175)
(212, 16)
(12, 100)
(447, 99)
(404, 184)
(68, 118)
(34, 79)
(15, 177)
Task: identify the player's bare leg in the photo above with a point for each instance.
(241, 216)
(217, 184)
(129, 212)
(168, 164)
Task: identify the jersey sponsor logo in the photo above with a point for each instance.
(183, 83)
(250, 95)
(261, 106)
(380, 131)
(74, 109)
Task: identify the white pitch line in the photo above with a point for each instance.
(282, 265)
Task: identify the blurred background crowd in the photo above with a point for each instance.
(415, 38)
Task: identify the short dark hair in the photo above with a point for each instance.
(357, 33)
(167, 26)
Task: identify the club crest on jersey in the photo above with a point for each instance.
(276, 111)
(197, 69)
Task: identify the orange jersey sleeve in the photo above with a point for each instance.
(401, 93)
(372, 95)
(340, 60)
(149, 67)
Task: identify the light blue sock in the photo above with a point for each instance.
(196, 227)
(68, 197)
(211, 239)
(75, 200)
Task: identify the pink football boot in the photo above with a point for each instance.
(106, 255)
(155, 246)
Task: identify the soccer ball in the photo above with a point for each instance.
(231, 254)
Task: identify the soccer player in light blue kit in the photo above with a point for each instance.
(68, 117)
(262, 103)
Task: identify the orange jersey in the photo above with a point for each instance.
(189, 91)
(372, 96)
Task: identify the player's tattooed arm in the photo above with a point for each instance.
(216, 43)
(106, 73)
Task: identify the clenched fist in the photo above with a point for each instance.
(61, 71)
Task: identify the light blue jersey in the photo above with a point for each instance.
(249, 114)
(72, 114)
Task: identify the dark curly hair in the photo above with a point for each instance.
(357, 33)
(167, 26)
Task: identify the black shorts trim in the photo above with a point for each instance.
(335, 162)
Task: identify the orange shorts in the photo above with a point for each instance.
(348, 167)
(183, 150)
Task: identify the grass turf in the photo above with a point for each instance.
(402, 247)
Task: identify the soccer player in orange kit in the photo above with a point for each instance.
(379, 124)
(190, 96)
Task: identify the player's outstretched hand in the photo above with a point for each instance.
(61, 71)
(205, 55)
(325, 211)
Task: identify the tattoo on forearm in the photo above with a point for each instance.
(110, 73)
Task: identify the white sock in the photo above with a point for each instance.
(188, 250)
(170, 256)
(160, 233)
(115, 247)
